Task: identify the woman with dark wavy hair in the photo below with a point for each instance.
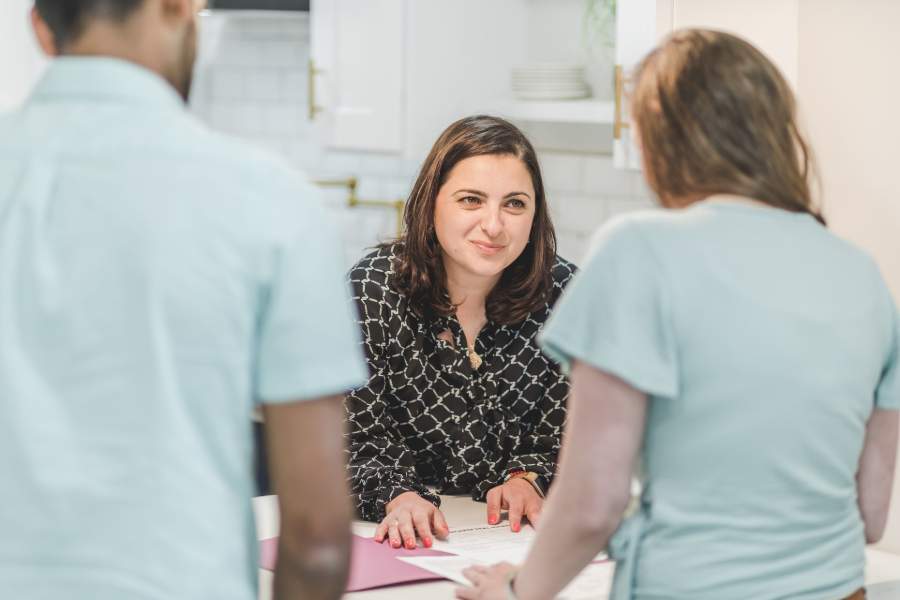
(460, 398)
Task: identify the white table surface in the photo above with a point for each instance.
(882, 568)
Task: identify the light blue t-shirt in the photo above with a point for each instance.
(156, 279)
(763, 342)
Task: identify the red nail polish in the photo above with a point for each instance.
(515, 528)
(427, 542)
(492, 521)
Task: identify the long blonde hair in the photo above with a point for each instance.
(715, 116)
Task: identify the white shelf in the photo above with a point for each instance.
(559, 111)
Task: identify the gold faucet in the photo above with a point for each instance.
(352, 183)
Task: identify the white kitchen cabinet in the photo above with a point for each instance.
(390, 75)
(21, 61)
(771, 25)
(357, 79)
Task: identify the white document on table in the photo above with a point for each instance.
(491, 544)
(593, 583)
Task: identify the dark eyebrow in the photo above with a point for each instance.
(511, 194)
(483, 195)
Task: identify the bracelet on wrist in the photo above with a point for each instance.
(530, 476)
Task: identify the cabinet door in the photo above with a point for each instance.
(21, 61)
(357, 72)
(640, 24)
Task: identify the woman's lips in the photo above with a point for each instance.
(487, 248)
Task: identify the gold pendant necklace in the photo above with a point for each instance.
(474, 359)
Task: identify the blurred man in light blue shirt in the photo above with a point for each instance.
(157, 280)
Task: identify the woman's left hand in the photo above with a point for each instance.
(519, 498)
(488, 583)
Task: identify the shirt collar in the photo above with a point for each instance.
(104, 78)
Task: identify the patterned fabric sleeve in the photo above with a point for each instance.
(537, 447)
(381, 466)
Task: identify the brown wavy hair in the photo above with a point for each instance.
(524, 286)
(715, 116)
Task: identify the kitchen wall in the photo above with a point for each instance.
(849, 96)
(251, 82)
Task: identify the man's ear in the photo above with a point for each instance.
(177, 10)
(43, 34)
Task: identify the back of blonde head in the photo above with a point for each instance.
(715, 116)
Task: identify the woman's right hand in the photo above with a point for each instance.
(408, 514)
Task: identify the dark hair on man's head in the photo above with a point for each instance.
(525, 284)
(68, 18)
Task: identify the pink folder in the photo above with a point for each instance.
(373, 565)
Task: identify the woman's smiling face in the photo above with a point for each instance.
(483, 214)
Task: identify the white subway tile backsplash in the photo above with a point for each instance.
(572, 245)
(262, 28)
(293, 85)
(643, 191)
(370, 187)
(263, 84)
(602, 179)
(620, 206)
(241, 53)
(226, 83)
(284, 121)
(341, 163)
(379, 164)
(396, 188)
(285, 53)
(562, 172)
(578, 213)
(334, 197)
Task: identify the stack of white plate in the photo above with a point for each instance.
(550, 81)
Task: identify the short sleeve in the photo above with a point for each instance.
(308, 340)
(615, 316)
(887, 394)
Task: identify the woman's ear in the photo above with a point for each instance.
(43, 34)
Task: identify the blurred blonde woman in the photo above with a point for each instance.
(747, 357)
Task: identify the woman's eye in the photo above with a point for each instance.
(470, 200)
(515, 203)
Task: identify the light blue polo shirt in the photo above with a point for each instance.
(764, 343)
(156, 279)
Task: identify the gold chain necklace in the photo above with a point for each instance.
(474, 358)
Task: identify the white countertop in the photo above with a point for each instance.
(882, 568)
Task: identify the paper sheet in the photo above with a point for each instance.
(593, 583)
(491, 544)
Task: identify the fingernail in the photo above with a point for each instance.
(492, 520)
(427, 542)
(515, 528)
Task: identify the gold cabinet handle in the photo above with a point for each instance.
(311, 73)
(618, 122)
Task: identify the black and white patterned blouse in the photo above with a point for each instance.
(427, 418)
